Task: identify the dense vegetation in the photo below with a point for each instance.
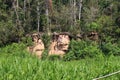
(85, 59)
(82, 49)
(21, 17)
(17, 64)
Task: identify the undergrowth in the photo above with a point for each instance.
(17, 64)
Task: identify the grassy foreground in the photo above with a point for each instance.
(21, 66)
(17, 68)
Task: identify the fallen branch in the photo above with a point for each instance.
(107, 75)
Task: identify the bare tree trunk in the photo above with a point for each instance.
(71, 14)
(50, 5)
(38, 16)
(19, 27)
(74, 11)
(16, 6)
(47, 16)
(28, 14)
(24, 13)
(24, 9)
(80, 9)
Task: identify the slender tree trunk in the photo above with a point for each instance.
(74, 11)
(24, 9)
(47, 16)
(20, 29)
(50, 5)
(16, 6)
(38, 16)
(24, 14)
(71, 14)
(80, 9)
(28, 14)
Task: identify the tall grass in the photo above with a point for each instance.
(13, 66)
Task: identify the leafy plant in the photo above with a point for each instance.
(15, 49)
(45, 54)
(46, 40)
(82, 49)
(16, 63)
(54, 57)
(110, 49)
(92, 27)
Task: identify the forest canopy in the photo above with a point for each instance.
(21, 17)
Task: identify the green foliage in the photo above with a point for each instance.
(27, 40)
(46, 40)
(54, 57)
(110, 49)
(14, 49)
(21, 68)
(17, 64)
(69, 56)
(45, 54)
(82, 49)
(104, 3)
(64, 17)
(6, 31)
(105, 22)
(100, 15)
(92, 26)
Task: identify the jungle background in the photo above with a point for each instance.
(85, 59)
(20, 17)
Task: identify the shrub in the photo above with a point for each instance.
(27, 40)
(93, 26)
(54, 57)
(15, 49)
(44, 54)
(110, 49)
(46, 40)
(69, 56)
(82, 49)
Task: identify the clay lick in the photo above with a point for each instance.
(93, 36)
(60, 45)
(38, 46)
(63, 42)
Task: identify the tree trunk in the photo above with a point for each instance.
(50, 5)
(74, 11)
(25, 2)
(28, 14)
(24, 14)
(80, 9)
(38, 16)
(16, 6)
(47, 17)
